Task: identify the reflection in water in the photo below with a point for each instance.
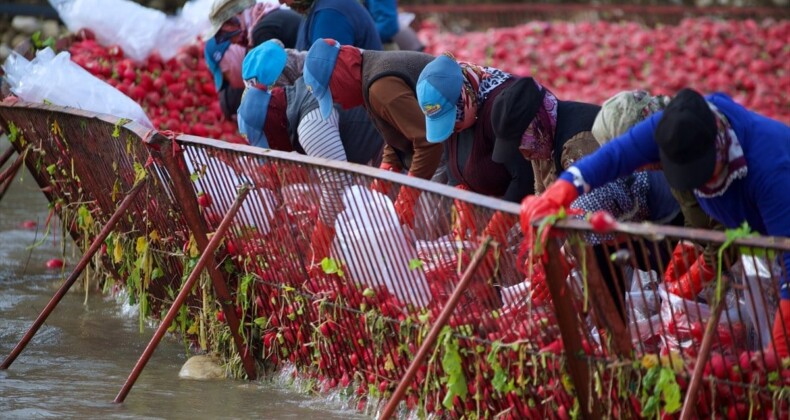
(83, 354)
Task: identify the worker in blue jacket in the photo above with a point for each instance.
(736, 162)
(345, 21)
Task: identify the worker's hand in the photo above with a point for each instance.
(683, 256)
(781, 330)
(405, 204)
(498, 227)
(560, 194)
(690, 284)
(465, 222)
(382, 186)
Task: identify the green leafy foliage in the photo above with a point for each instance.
(659, 384)
(452, 365)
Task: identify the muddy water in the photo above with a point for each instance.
(81, 357)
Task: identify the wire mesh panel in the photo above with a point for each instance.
(325, 277)
(86, 163)
(652, 274)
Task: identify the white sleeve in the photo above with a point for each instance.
(321, 138)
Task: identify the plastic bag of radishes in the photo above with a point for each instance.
(760, 294)
(137, 29)
(684, 322)
(55, 79)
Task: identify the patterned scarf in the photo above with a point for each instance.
(729, 153)
(479, 82)
(537, 143)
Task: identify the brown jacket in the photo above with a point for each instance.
(389, 81)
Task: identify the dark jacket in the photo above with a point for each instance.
(470, 161)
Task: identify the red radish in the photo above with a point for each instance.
(55, 263)
(29, 224)
(204, 200)
(602, 222)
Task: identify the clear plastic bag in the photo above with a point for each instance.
(57, 80)
(684, 322)
(372, 245)
(759, 294)
(137, 29)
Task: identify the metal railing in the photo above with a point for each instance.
(437, 318)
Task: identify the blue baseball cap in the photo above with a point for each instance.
(318, 68)
(264, 63)
(214, 53)
(251, 116)
(438, 90)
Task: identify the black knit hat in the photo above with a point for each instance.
(686, 139)
(513, 111)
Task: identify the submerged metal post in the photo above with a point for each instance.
(208, 255)
(441, 321)
(95, 245)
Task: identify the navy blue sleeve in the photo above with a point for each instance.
(621, 156)
(522, 182)
(385, 14)
(329, 23)
(774, 205)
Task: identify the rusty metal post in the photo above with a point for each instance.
(441, 321)
(185, 194)
(702, 359)
(605, 309)
(206, 256)
(95, 245)
(569, 330)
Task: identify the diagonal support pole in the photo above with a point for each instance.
(205, 258)
(95, 245)
(9, 174)
(6, 155)
(689, 405)
(437, 326)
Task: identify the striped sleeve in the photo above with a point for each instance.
(321, 138)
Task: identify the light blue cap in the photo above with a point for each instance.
(438, 90)
(318, 68)
(265, 63)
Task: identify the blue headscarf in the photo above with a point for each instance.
(261, 68)
(252, 115)
(214, 53)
